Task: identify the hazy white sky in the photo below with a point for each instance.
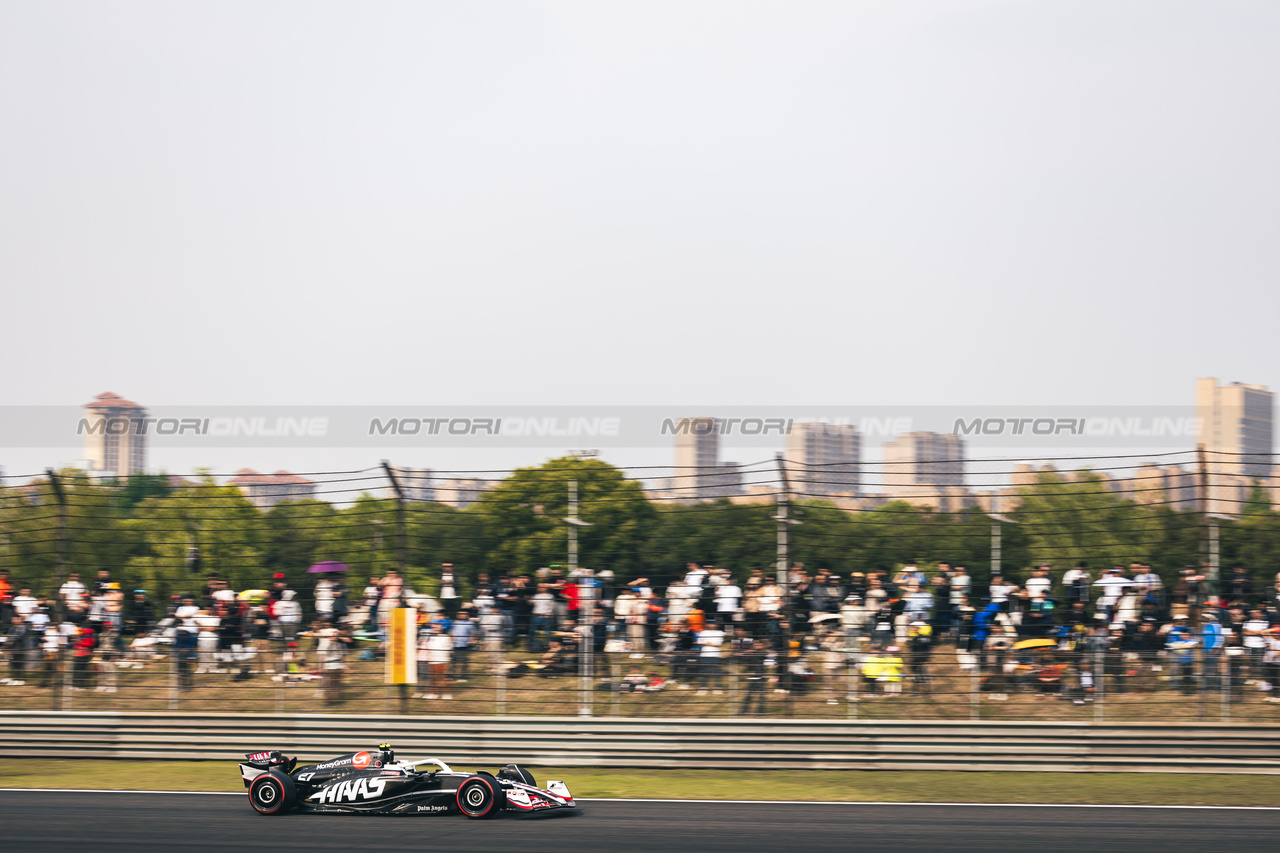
(693, 203)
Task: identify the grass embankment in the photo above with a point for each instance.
(829, 785)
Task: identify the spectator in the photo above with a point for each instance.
(140, 616)
(754, 670)
(919, 603)
(1000, 590)
(1213, 640)
(19, 646)
(710, 643)
(436, 647)
(1110, 585)
(463, 631)
(908, 574)
(186, 631)
(728, 596)
(289, 614)
(1075, 585)
(24, 603)
(448, 590)
(322, 599)
(1255, 632)
(207, 640)
(1181, 641)
(1039, 582)
(72, 590)
(544, 604)
(82, 655)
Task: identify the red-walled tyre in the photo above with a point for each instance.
(480, 796)
(272, 794)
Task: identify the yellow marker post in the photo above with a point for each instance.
(402, 646)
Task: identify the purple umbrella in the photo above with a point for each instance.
(328, 566)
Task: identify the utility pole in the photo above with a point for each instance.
(996, 550)
(997, 536)
(61, 607)
(401, 531)
(61, 497)
(784, 578)
(586, 605)
(400, 561)
(1208, 525)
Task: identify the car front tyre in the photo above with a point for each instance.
(478, 797)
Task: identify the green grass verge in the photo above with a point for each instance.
(870, 786)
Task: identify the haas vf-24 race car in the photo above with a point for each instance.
(373, 782)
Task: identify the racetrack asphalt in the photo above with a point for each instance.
(80, 822)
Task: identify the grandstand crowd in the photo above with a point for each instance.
(1068, 635)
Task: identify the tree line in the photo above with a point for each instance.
(144, 530)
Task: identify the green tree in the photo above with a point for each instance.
(1082, 522)
(523, 518)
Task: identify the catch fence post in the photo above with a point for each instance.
(173, 674)
(1099, 685)
(975, 689)
(851, 673)
(502, 688)
(613, 686)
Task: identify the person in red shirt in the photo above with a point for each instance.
(82, 652)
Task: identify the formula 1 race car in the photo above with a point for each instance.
(373, 782)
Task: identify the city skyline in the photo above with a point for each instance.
(700, 448)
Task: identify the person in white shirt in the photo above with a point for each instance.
(1000, 590)
(73, 589)
(710, 640)
(323, 597)
(439, 649)
(207, 640)
(289, 615)
(1254, 634)
(961, 584)
(728, 595)
(695, 575)
(544, 608)
(23, 603)
(1075, 585)
(448, 590)
(1039, 582)
(1111, 584)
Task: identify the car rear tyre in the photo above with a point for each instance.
(272, 794)
(479, 797)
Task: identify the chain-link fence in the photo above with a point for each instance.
(1084, 589)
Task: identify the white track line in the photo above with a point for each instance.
(735, 802)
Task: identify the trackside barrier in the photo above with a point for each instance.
(671, 744)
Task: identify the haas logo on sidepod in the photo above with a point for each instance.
(350, 791)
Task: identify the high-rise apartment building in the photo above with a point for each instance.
(825, 459)
(115, 435)
(699, 473)
(922, 462)
(1235, 427)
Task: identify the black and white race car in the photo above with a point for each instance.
(374, 782)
